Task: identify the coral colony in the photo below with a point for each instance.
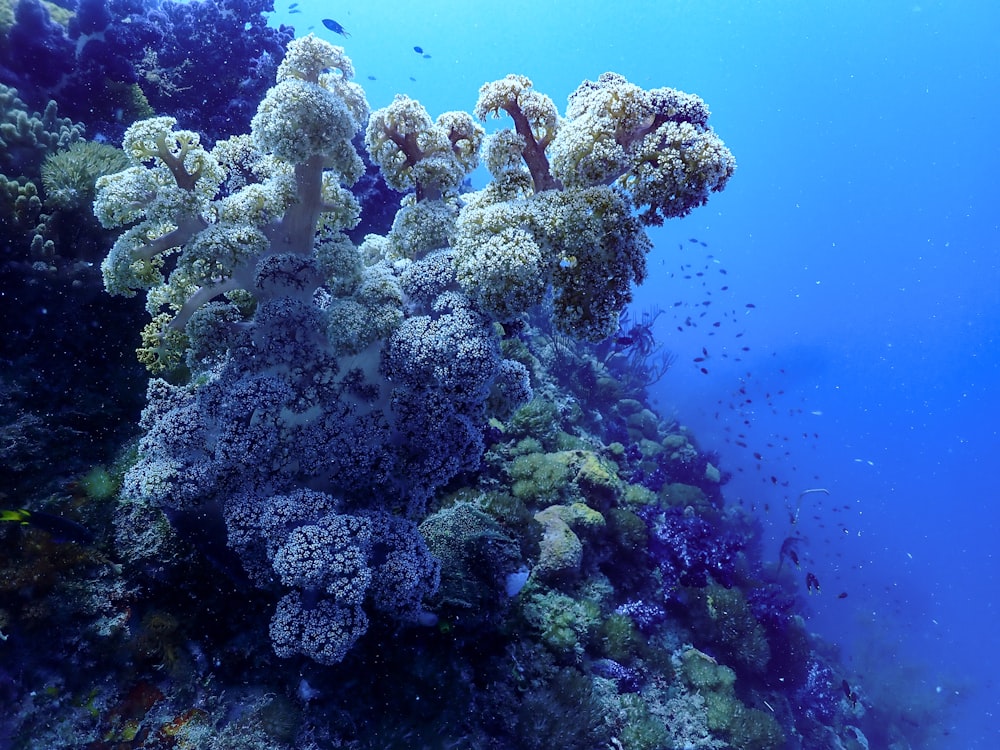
(335, 389)
(404, 490)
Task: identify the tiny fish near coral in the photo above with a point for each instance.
(335, 27)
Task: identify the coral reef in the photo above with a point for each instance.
(111, 61)
(70, 176)
(28, 137)
(384, 494)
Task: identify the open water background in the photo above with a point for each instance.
(862, 224)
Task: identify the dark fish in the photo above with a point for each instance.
(704, 371)
(294, 10)
(788, 549)
(419, 50)
(851, 695)
(693, 240)
(61, 529)
(427, 56)
(751, 305)
(335, 27)
(371, 78)
(842, 595)
(812, 583)
(293, 5)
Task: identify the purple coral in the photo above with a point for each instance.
(337, 564)
(404, 573)
(647, 616)
(819, 696)
(454, 351)
(331, 555)
(428, 278)
(688, 549)
(324, 631)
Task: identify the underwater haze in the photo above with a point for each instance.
(862, 223)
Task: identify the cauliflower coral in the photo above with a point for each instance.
(200, 221)
(323, 393)
(570, 195)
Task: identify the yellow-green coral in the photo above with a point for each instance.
(596, 478)
(70, 176)
(566, 475)
(99, 483)
(683, 495)
(723, 618)
(27, 137)
(656, 145)
(726, 715)
(561, 550)
(130, 100)
(415, 152)
(540, 478)
(501, 265)
(163, 348)
(254, 198)
(372, 313)
(583, 242)
(20, 203)
(564, 624)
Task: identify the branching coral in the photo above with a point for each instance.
(172, 200)
(619, 148)
(656, 145)
(26, 138)
(432, 157)
(535, 117)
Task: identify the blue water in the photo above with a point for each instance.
(862, 224)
